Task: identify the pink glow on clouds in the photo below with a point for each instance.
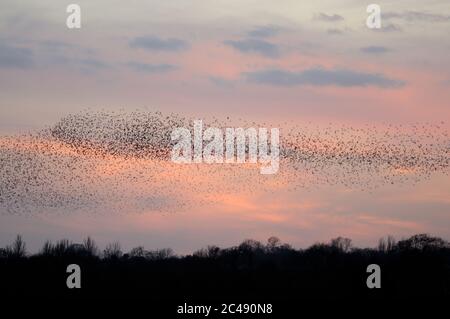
(228, 214)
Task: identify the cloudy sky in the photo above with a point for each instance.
(305, 61)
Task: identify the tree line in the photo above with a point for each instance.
(413, 267)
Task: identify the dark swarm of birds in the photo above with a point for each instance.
(116, 161)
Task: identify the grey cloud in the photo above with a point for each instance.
(375, 49)
(417, 16)
(59, 47)
(47, 54)
(261, 47)
(321, 77)
(153, 43)
(264, 32)
(328, 17)
(224, 83)
(386, 27)
(92, 63)
(56, 45)
(15, 57)
(150, 68)
(390, 27)
(335, 31)
(86, 65)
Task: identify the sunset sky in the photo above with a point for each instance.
(266, 61)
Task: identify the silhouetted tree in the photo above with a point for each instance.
(17, 249)
(208, 252)
(213, 251)
(61, 248)
(160, 254)
(47, 249)
(386, 244)
(251, 245)
(90, 247)
(112, 251)
(342, 244)
(273, 243)
(137, 252)
(422, 241)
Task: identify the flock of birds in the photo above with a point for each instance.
(108, 161)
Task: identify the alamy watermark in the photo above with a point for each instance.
(73, 21)
(229, 145)
(373, 21)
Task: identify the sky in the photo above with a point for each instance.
(266, 61)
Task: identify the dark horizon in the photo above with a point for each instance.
(252, 271)
(392, 240)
